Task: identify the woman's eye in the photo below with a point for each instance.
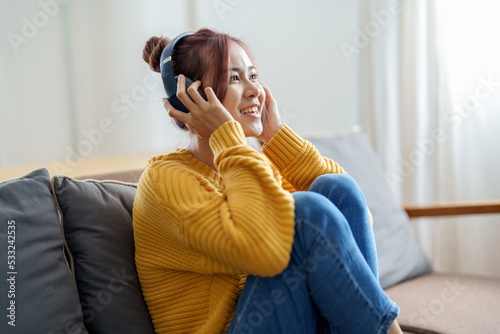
(233, 78)
(254, 77)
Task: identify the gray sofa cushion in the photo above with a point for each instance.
(399, 254)
(36, 279)
(97, 222)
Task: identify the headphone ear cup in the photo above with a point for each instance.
(177, 104)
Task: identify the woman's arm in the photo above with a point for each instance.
(298, 161)
(248, 227)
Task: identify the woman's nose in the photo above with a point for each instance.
(251, 89)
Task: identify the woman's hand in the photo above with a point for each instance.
(204, 116)
(271, 121)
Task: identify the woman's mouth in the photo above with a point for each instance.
(251, 111)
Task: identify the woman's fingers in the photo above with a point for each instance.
(269, 96)
(182, 93)
(210, 94)
(195, 94)
(172, 112)
(271, 121)
(190, 97)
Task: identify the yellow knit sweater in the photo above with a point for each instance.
(199, 232)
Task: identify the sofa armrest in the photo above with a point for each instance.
(450, 209)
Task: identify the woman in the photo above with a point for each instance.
(232, 240)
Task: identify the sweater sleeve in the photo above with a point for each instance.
(298, 161)
(247, 227)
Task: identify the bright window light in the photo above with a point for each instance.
(471, 44)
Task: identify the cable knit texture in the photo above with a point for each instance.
(199, 232)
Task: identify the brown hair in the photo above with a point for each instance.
(203, 56)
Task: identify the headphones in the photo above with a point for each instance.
(168, 77)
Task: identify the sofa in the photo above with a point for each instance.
(68, 254)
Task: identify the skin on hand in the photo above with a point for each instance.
(204, 117)
(271, 119)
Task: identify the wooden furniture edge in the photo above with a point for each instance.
(451, 209)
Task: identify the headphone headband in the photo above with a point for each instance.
(167, 71)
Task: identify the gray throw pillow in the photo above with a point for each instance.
(37, 292)
(399, 255)
(97, 222)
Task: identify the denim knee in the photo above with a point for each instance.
(316, 210)
(308, 203)
(339, 188)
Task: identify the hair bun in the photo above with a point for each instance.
(152, 51)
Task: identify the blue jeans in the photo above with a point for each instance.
(331, 282)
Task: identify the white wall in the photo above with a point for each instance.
(296, 46)
(34, 95)
(77, 86)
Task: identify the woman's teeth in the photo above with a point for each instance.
(251, 110)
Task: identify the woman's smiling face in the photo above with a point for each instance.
(245, 96)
